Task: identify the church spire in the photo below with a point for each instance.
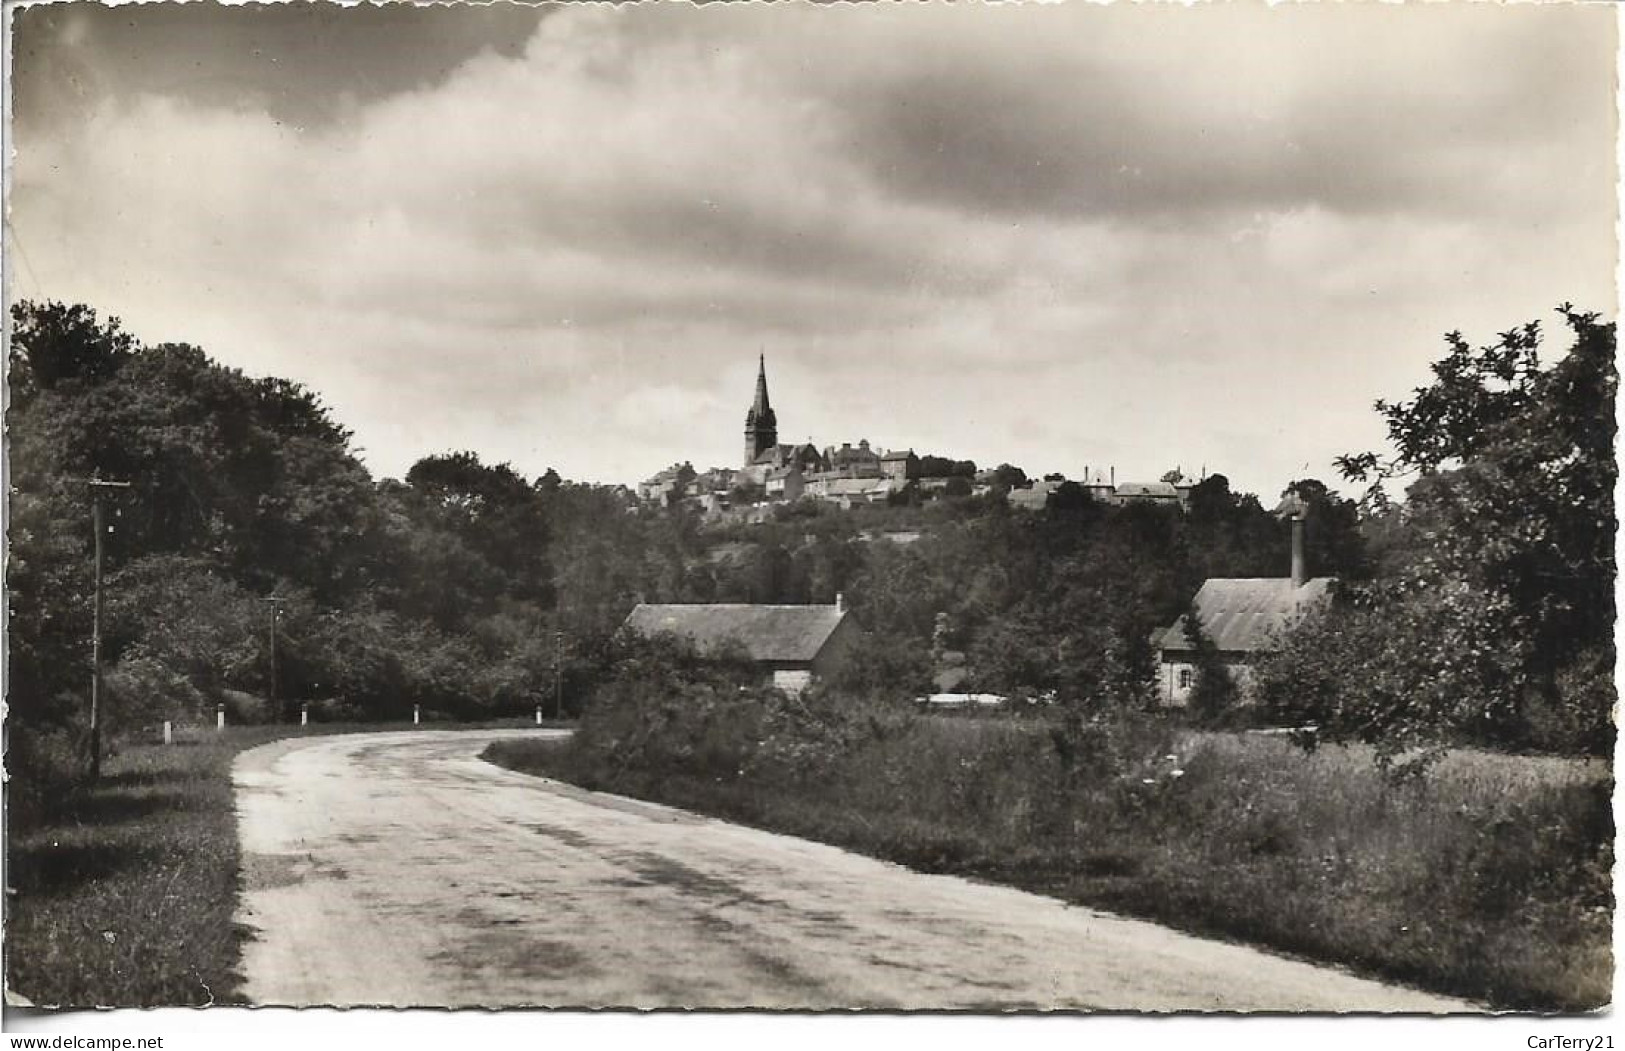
(761, 407)
(761, 425)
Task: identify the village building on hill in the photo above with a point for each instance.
(853, 461)
(900, 465)
(845, 491)
(1168, 494)
(667, 484)
(1105, 489)
(1245, 617)
(1035, 497)
(785, 483)
(790, 645)
(763, 453)
(851, 475)
(844, 475)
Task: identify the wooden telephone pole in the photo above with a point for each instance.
(97, 519)
(558, 675)
(276, 614)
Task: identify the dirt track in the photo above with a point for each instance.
(400, 869)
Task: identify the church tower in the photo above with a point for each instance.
(761, 426)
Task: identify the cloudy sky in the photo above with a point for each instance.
(1061, 236)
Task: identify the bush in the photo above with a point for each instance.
(1390, 674)
(144, 691)
(1478, 874)
(246, 709)
(335, 710)
(670, 708)
(804, 738)
(1577, 716)
(44, 764)
(1215, 695)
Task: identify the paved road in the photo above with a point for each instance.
(401, 869)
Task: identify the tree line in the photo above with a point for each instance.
(473, 591)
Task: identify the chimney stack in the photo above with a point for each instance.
(1299, 575)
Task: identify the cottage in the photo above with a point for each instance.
(1244, 617)
(791, 645)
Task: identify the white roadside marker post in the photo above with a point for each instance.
(168, 735)
(304, 715)
(416, 715)
(538, 715)
(219, 717)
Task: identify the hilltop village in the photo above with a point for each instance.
(849, 475)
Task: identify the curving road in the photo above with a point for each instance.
(400, 869)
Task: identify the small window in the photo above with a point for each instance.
(1186, 678)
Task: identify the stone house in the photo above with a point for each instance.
(853, 461)
(900, 465)
(785, 483)
(790, 645)
(1245, 617)
(666, 485)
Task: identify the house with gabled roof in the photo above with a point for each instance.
(1244, 617)
(790, 645)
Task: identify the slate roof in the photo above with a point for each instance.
(1246, 614)
(768, 633)
(1148, 490)
(856, 486)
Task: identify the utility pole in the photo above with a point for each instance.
(97, 522)
(558, 675)
(275, 603)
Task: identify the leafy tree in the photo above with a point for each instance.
(1333, 542)
(1214, 695)
(1069, 497)
(1008, 476)
(53, 344)
(1505, 585)
(1211, 500)
(746, 494)
(495, 514)
(942, 467)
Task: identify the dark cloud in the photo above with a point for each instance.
(302, 63)
(1182, 112)
(1047, 234)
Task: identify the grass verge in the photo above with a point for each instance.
(123, 894)
(1489, 880)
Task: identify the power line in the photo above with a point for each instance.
(39, 289)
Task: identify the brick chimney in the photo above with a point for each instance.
(1299, 573)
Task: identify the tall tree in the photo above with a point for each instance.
(1505, 587)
